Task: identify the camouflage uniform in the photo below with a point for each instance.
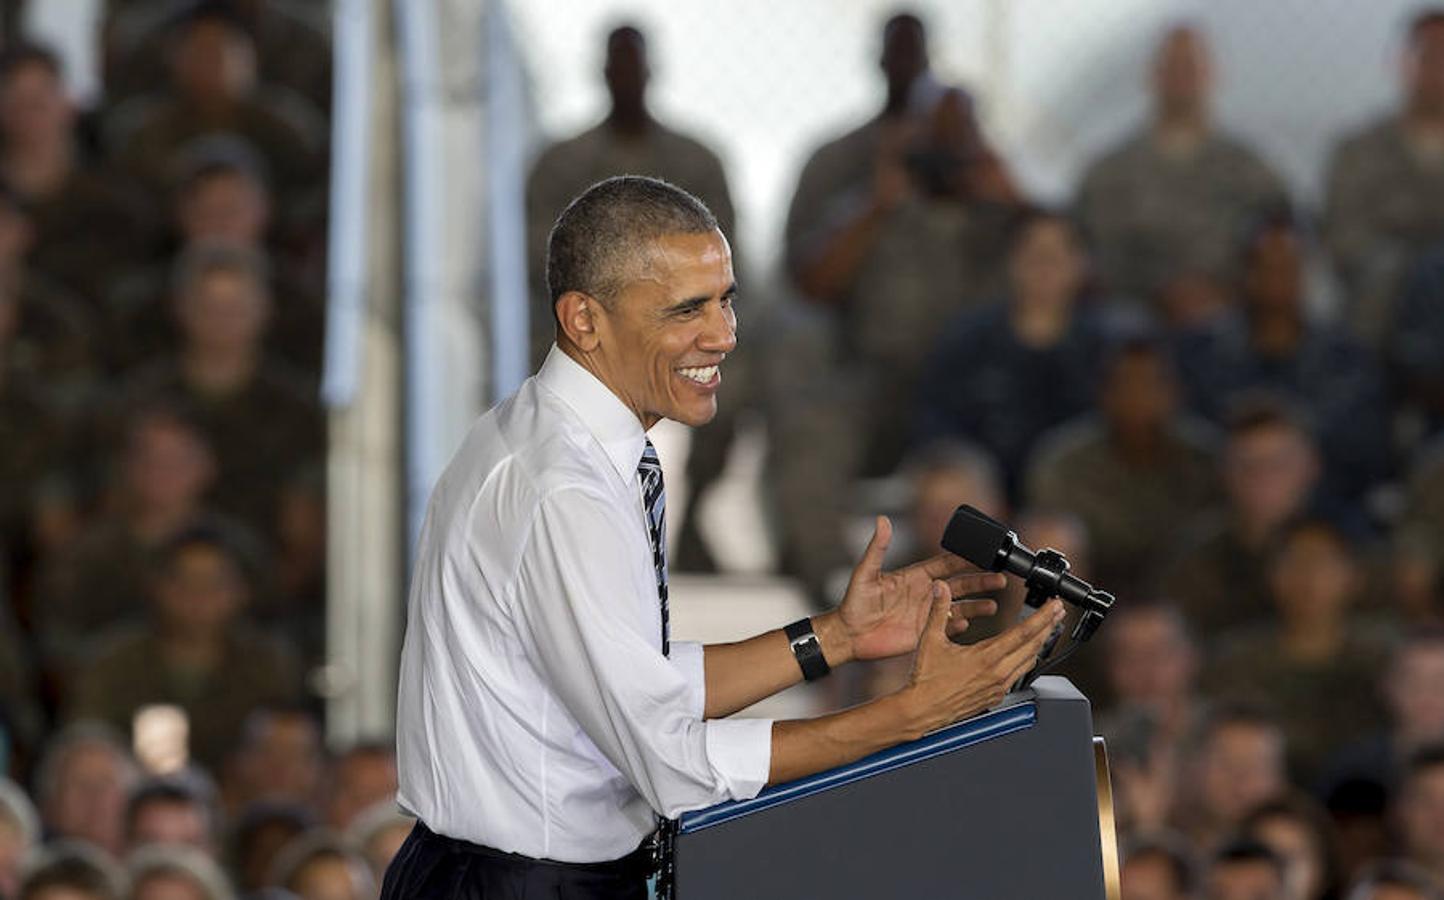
(1218, 580)
(262, 435)
(1151, 217)
(86, 231)
(1385, 206)
(103, 580)
(131, 671)
(1134, 514)
(1319, 705)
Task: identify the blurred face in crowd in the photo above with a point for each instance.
(1273, 281)
(227, 206)
(282, 759)
(33, 107)
(171, 822)
(361, 780)
(1151, 662)
(214, 62)
(168, 886)
(1253, 879)
(200, 593)
(1061, 532)
(1297, 845)
(904, 53)
(1421, 816)
(1240, 766)
(332, 877)
(1269, 472)
(941, 490)
(1414, 690)
(13, 847)
(1182, 74)
(89, 796)
(224, 312)
(626, 69)
(1046, 267)
(1312, 579)
(1139, 393)
(659, 343)
(1150, 876)
(1424, 70)
(168, 465)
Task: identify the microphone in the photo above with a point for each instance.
(989, 544)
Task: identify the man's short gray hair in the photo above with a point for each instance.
(596, 242)
(186, 862)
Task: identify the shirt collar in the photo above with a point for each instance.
(604, 414)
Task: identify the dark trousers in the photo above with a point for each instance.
(432, 867)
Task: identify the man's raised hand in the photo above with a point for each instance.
(950, 682)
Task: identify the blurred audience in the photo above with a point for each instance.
(1419, 810)
(1237, 762)
(1312, 662)
(280, 759)
(195, 651)
(1245, 870)
(19, 834)
(176, 872)
(1270, 344)
(1413, 692)
(1270, 469)
(1385, 184)
(70, 870)
(1004, 374)
(1160, 867)
(81, 786)
(261, 420)
(320, 866)
(172, 811)
(1394, 880)
(1137, 474)
(1165, 209)
(1299, 832)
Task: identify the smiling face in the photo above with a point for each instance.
(659, 342)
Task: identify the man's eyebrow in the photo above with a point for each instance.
(693, 302)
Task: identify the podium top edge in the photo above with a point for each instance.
(988, 726)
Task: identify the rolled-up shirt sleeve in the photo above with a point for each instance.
(576, 606)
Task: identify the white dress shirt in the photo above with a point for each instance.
(536, 713)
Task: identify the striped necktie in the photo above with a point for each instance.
(654, 501)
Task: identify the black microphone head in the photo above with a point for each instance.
(979, 539)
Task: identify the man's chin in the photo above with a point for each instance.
(694, 416)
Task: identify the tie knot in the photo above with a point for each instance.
(650, 461)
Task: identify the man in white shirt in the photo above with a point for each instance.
(544, 718)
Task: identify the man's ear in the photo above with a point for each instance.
(576, 319)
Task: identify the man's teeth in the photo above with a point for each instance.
(701, 374)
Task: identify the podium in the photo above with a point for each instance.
(1012, 804)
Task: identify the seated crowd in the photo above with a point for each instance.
(1226, 410)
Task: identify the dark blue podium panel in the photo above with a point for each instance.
(1003, 806)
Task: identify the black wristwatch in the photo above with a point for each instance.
(808, 649)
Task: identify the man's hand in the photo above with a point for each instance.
(884, 612)
(950, 682)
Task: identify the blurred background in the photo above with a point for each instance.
(1159, 283)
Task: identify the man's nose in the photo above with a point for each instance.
(720, 333)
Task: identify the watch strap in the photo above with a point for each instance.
(807, 649)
